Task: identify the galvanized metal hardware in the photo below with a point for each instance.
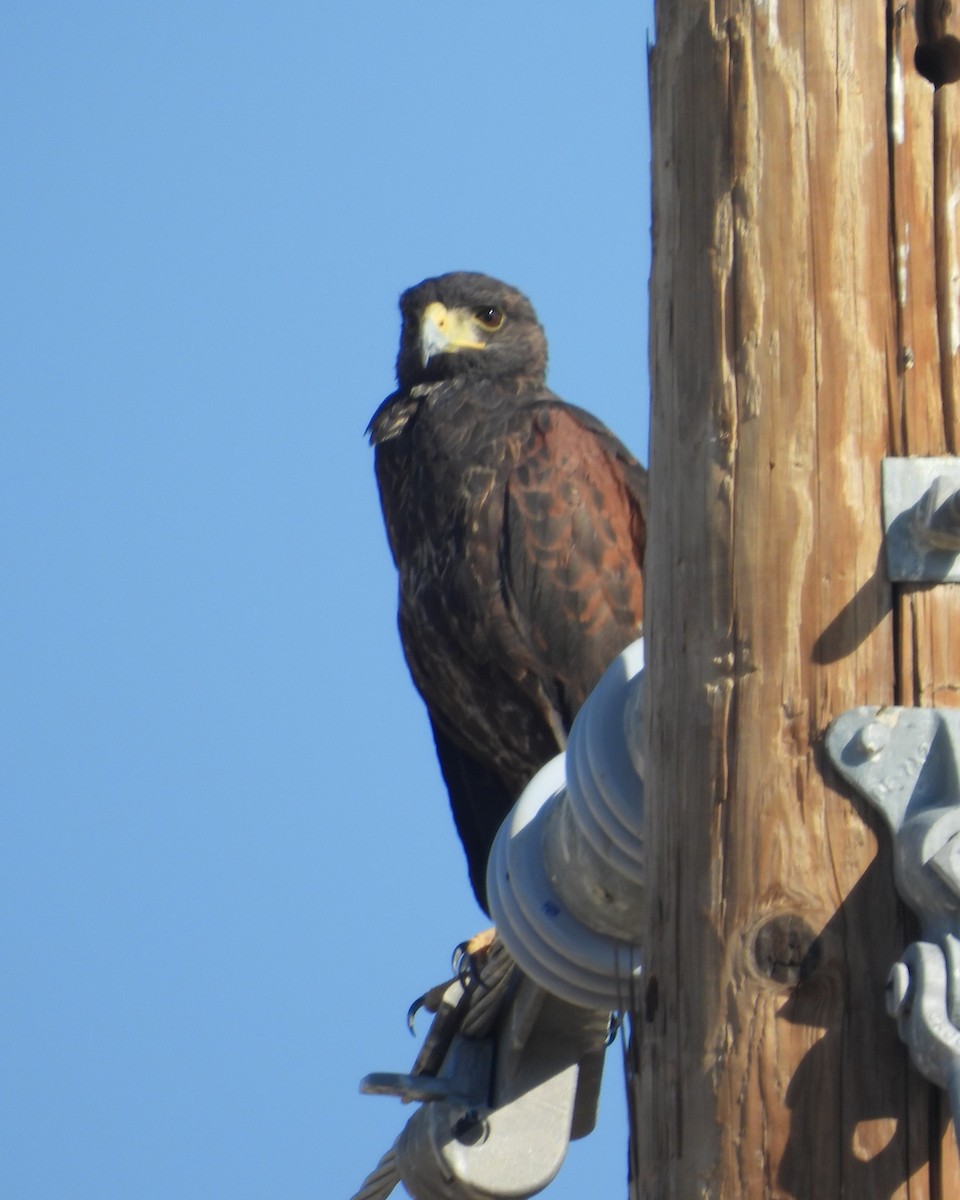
(921, 519)
(516, 1081)
(922, 996)
(906, 762)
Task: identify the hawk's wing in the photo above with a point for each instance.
(550, 590)
(571, 552)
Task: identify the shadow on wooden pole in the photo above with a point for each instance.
(802, 327)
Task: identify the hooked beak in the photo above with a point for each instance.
(445, 331)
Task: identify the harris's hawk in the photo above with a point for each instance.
(517, 525)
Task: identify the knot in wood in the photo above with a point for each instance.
(785, 950)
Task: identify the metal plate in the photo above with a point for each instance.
(907, 483)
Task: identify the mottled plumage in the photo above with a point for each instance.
(517, 526)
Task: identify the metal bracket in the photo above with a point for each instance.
(497, 1119)
(906, 763)
(921, 519)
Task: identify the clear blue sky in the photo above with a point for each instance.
(226, 860)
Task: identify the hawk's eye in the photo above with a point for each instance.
(489, 318)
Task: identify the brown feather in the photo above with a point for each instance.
(517, 525)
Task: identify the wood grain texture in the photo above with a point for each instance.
(798, 335)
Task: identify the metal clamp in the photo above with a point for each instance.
(906, 762)
(510, 1093)
(921, 991)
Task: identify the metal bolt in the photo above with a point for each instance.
(937, 515)
(899, 995)
(873, 739)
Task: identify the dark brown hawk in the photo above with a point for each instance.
(517, 524)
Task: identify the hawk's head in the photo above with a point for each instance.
(469, 324)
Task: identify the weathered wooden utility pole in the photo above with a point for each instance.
(805, 323)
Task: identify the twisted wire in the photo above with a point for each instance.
(382, 1179)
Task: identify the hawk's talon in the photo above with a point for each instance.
(469, 957)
